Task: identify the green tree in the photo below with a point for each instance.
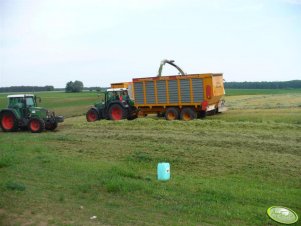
(74, 87)
(78, 86)
(69, 87)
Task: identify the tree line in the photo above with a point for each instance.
(294, 84)
(26, 89)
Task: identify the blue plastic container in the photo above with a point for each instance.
(163, 171)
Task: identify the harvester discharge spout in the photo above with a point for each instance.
(171, 62)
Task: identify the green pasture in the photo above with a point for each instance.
(67, 104)
(226, 169)
(234, 92)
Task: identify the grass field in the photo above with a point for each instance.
(225, 170)
(235, 92)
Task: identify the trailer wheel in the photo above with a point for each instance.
(36, 125)
(9, 122)
(92, 115)
(188, 114)
(51, 126)
(171, 114)
(116, 112)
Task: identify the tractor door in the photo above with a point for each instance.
(18, 104)
(105, 104)
(108, 99)
(23, 110)
(29, 102)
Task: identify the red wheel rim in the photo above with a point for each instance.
(34, 125)
(8, 122)
(116, 113)
(186, 116)
(171, 116)
(92, 116)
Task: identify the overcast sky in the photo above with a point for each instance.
(50, 42)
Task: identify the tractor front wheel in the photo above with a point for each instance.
(9, 122)
(92, 115)
(116, 112)
(51, 126)
(36, 125)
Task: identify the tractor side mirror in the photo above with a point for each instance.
(39, 99)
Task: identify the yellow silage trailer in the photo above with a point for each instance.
(185, 96)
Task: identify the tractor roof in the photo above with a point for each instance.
(20, 95)
(117, 89)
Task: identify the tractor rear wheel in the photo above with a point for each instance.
(92, 115)
(51, 126)
(171, 114)
(116, 112)
(36, 125)
(9, 122)
(188, 114)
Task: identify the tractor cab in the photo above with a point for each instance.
(22, 101)
(26, 105)
(120, 94)
(114, 95)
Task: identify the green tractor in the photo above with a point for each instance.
(114, 105)
(23, 113)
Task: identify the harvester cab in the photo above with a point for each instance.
(23, 112)
(115, 104)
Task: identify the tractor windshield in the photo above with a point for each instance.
(30, 102)
(101, 97)
(118, 95)
(112, 95)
